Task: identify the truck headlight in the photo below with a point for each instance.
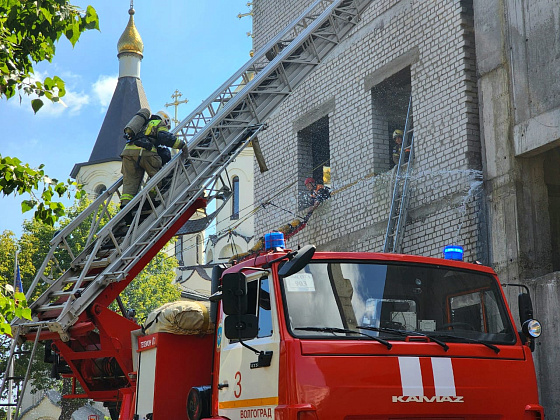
(531, 328)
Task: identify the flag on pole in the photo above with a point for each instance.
(18, 285)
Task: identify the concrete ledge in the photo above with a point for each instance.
(537, 134)
(394, 66)
(315, 114)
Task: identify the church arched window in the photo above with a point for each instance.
(235, 198)
(99, 189)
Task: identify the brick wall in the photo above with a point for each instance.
(435, 41)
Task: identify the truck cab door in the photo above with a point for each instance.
(247, 390)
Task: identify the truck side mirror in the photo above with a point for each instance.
(243, 327)
(525, 307)
(300, 260)
(215, 291)
(234, 294)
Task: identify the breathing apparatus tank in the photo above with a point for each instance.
(137, 123)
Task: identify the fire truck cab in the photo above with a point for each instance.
(305, 335)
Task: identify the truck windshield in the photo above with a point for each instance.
(433, 300)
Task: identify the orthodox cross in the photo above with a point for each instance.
(176, 102)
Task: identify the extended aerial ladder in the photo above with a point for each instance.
(401, 189)
(72, 309)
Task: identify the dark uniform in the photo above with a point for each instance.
(397, 153)
(137, 160)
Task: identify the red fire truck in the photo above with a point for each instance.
(305, 335)
(299, 335)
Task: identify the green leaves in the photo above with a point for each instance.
(12, 305)
(152, 287)
(15, 177)
(47, 15)
(28, 33)
(36, 104)
(19, 179)
(27, 205)
(92, 20)
(32, 246)
(72, 32)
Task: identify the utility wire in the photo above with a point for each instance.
(264, 203)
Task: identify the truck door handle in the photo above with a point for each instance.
(221, 386)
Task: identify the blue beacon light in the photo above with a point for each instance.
(453, 252)
(274, 240)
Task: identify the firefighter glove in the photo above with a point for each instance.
(143, 142)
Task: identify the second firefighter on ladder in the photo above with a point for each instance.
(140, 154)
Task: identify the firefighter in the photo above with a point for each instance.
(140, 153)
(317, 193)
(398, 139)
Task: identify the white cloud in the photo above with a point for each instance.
(103, 89)
(71, 102)
(75, 101)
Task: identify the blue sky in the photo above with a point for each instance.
(192, 46)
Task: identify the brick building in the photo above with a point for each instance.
(349, 108)
(485, 112)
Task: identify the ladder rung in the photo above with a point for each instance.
(46, 308)
(75, 279)
(33, 325)
(15, 378)
(67, 292)
(104, 262)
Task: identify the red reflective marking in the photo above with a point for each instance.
(236, 393)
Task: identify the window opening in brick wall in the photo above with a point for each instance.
(552, 179)
(235, 198)
(390, 100)
(314, 157)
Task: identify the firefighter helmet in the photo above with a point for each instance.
(165, 118)
(397, 133)
(309, 180)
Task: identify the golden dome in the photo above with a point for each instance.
(130, 40)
